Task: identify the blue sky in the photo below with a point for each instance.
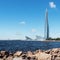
(20, 18)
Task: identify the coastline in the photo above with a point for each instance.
(32, 40)
(51, 54)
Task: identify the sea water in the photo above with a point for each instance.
(15, 45)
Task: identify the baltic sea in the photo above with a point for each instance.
(14, 45)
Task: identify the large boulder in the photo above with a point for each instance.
(24, 56)
(18, 53)
(1, 59)
(55, 50)
(43, 56)
(38, 51)
(9, 58)
(48, 51)
(57, 58)
(2, 53)
(29, 54)
(18, 58)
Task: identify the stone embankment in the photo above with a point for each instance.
(51, 54)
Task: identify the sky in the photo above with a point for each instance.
(20, 18)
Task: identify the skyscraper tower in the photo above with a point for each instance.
(46, 25)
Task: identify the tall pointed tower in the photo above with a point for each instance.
(46, 25)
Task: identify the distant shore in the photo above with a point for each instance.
(34, 40)
(52, 41)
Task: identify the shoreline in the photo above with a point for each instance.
(33, 40)
(51, 54)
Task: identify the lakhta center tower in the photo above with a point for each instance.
(46, 26)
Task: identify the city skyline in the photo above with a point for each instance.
(20, 18)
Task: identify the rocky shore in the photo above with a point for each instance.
(51, 54)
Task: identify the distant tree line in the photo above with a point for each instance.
(53, 38)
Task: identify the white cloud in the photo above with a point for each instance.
(23, 22)
(33, 30)
(52, 4)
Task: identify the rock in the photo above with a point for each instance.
(31, 58)
(43, 56)
(24, 56)
(51, 54)
(4, 58)
(17, 58)
(29, 54)
(28, 58)
(48, 51)
(58, 54)
(54, 54)
(18, 53)
(9, 58)
(57, 58)
(10, 54)
(1, 59)
(2, 53)
(38, 51)
(55, 50)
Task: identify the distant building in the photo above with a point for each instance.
(28, 38)
(39, 38)
(46, 33)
